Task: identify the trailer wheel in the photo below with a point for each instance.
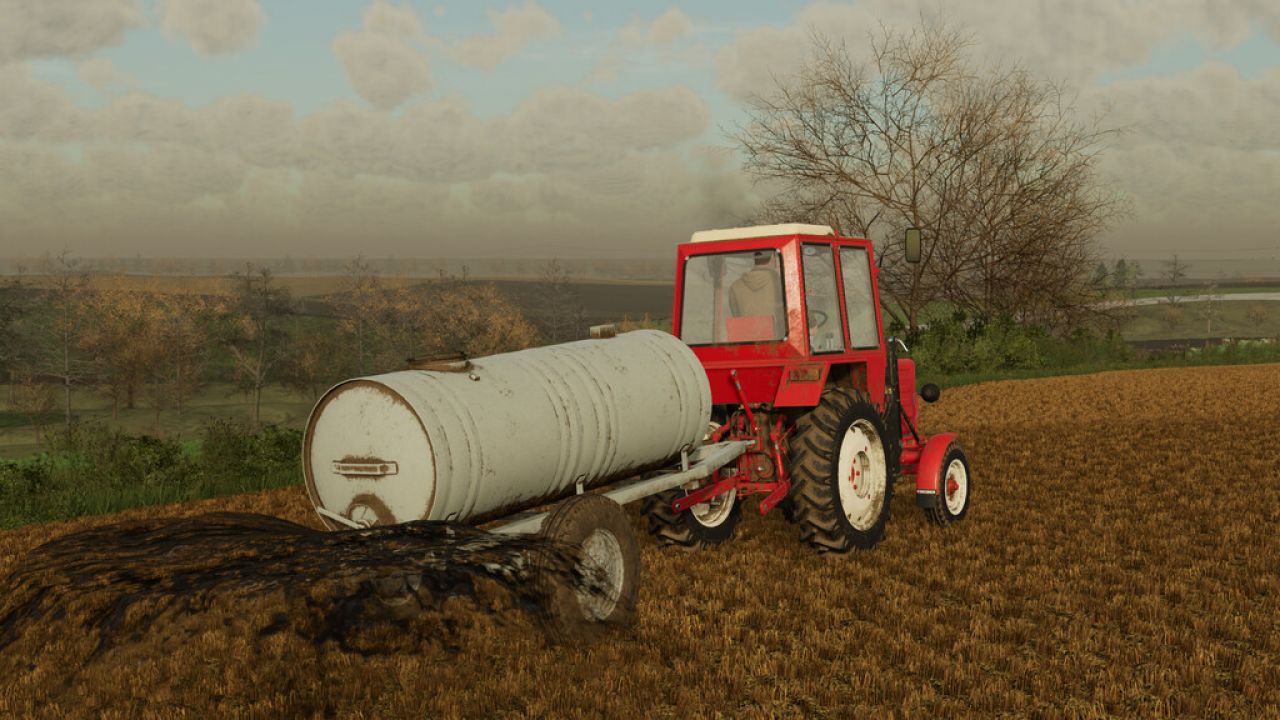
(601, 531)
(842, 479)
(955, 488)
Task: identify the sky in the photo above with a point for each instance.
(265, 128)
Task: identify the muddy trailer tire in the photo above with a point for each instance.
(842, 478)
(599, 529)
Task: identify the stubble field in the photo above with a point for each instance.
(1120, 559)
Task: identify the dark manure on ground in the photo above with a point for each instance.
(360, 589)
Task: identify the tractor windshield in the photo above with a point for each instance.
(733, 298)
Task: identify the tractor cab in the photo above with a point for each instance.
(784, 308)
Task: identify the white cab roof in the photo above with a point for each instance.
(759, 231)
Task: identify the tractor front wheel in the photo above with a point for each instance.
(955, 487)
(841, 478)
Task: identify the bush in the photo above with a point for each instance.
(956, 344)
(98, 455)
(93, 469)
(269, 458)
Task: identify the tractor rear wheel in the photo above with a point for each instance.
(599, 529)
(710, 523)
(842, 482)
(701, 526)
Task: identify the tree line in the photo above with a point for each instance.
(140, 346)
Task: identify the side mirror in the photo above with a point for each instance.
(913, 245)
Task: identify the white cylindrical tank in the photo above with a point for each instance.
(482, 438)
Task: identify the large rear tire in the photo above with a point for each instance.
(842, 480)
(600, 531)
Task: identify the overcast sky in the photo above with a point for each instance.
(537, 129)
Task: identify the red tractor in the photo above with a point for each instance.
(786, 321)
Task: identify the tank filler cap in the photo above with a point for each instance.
(455, 362)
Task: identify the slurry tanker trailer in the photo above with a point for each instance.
(776, 380)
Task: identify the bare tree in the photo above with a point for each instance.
(476, 319)
(989, 164)
(306, 368)
(358, 309)
(67, 305)
(35, 399)
(1209, 310)
(13, 306)
(1175, 271)
(1257, 314)
(561, 314)
(253, 334)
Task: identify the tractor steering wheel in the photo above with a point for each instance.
(821, 318)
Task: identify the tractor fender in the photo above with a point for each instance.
(929, 469)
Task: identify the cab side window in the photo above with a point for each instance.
(822, 303)
(858, 299)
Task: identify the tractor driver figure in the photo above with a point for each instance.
(759, 293)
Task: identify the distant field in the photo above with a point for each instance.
(1200, 290)
(604, 301)
(1231, 319)
(299, 287)
(279, 407)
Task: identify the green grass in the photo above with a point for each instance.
(17, 419)
(97, 470)
(1199, 290)
(1194, 357)
(1231, 319)
(217, 401)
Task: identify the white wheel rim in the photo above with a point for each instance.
(862, 474)
(602, 556)
(715, 511)
(955, 486)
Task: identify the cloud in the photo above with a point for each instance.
(663, 32)
(515, 29)
(246, 173)
(33, 109)
(381, 60)
(1200, 155)
(101, 74)
(1077, 42)
(561, 129)
(1211, 105)
(669, 27)
(55, 28)
(212, 27)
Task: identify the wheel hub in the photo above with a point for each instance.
(956, 487)
(861, 465)
(602, 558)
(861, 461)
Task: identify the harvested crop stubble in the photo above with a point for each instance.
(1119, 560)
